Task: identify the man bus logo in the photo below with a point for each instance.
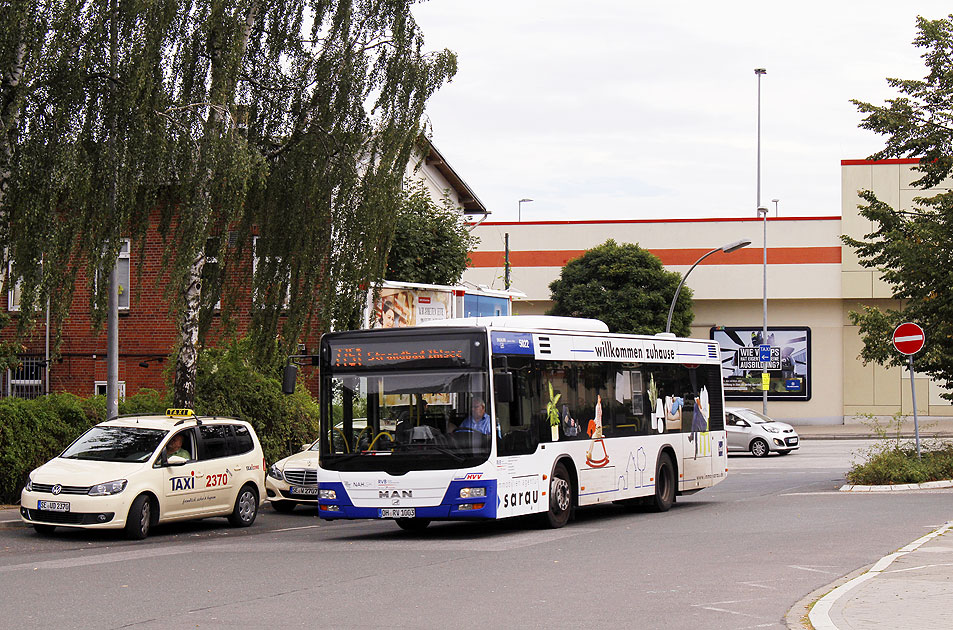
(395, 494)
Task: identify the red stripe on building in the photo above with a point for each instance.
(670, 257)
(879, 162)
(629, 221)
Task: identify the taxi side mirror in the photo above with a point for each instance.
(176, 460)
(305, 447)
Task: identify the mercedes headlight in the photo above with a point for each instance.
(275, 473)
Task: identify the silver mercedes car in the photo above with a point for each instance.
(749, 430)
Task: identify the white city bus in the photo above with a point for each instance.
(576, 416)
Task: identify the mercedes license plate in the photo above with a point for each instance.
(53, 506)
(299, 490)
(398, 512)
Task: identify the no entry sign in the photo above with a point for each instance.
(908, 338)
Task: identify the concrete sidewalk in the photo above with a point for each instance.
(911, 588)
(930, 428)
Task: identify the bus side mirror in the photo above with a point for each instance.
(503, 386)
(288, 378)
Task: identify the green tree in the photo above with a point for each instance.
(292, 119)
(431, 242)
(626, 287)
(913, 248)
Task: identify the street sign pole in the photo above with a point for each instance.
(913, 393)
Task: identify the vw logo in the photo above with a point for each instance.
(57, 489)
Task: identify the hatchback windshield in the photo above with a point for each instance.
(755, 417)
(115, 444)
(399, 421)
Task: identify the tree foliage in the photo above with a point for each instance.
(912, 247)
(626, 287)
(431, 243)
(289, 121)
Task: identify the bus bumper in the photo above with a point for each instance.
(451, 507)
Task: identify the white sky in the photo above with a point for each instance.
(626, 109)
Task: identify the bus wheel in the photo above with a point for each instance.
(413, 524)
(560, 497)
(664, 484)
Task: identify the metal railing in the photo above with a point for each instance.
(26, 380)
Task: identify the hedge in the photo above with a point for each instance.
(34, 431)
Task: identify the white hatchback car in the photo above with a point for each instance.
(294, 480)
(133, 472)
(749, 430)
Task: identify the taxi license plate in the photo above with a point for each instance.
(310, 491)
(53, 506)
(398, 512)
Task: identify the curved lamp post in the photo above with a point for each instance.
(730, 247)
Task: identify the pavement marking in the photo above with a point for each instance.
(291, 529)
(820, 613)
(795, 566)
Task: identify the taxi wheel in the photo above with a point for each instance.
(140, 518)
(283, 506)
(44, 530)
(246, 507)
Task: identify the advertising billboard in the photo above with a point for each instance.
(745, 354)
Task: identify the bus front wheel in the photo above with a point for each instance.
(664, 484)
(560, 497)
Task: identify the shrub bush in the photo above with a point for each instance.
(228, 384)
(34, 431)
(901, 465)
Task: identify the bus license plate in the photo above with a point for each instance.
(398, 512)
(299, 490)
(53, 506)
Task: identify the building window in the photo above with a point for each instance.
(122, 275)
(254, 268)
(26, 380)
(15, 290)
(211, 270)
(100, 389)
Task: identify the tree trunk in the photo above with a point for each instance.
(222, 93)
(9, 112)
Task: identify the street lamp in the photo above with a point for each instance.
(763, 212)
(730, 247)
(775, 202)
(519, 211)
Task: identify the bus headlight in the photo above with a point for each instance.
(472, 493)
(327, 494)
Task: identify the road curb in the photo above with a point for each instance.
(899, 487)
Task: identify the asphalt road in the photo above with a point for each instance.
(735, 556)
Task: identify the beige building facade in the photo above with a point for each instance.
(813, 282)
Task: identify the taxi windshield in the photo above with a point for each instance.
(115, 444)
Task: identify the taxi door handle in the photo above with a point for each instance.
(239, 469)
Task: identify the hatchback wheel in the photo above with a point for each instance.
(139, 520)
(246, 507)
(759, 448)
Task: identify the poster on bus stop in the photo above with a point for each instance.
(789, 366)
(398, 307)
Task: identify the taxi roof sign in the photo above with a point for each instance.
(179, 413)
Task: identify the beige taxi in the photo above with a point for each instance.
(134, 472)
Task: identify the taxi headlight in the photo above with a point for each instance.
(29, 485)
(327, 494)
(470, 493)
(110, 487)
(275, 473)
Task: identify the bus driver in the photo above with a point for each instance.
(478, 419)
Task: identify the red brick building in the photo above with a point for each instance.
(147, 330)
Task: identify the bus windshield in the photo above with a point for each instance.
(397, 421)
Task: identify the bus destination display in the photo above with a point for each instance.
(417, 353)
